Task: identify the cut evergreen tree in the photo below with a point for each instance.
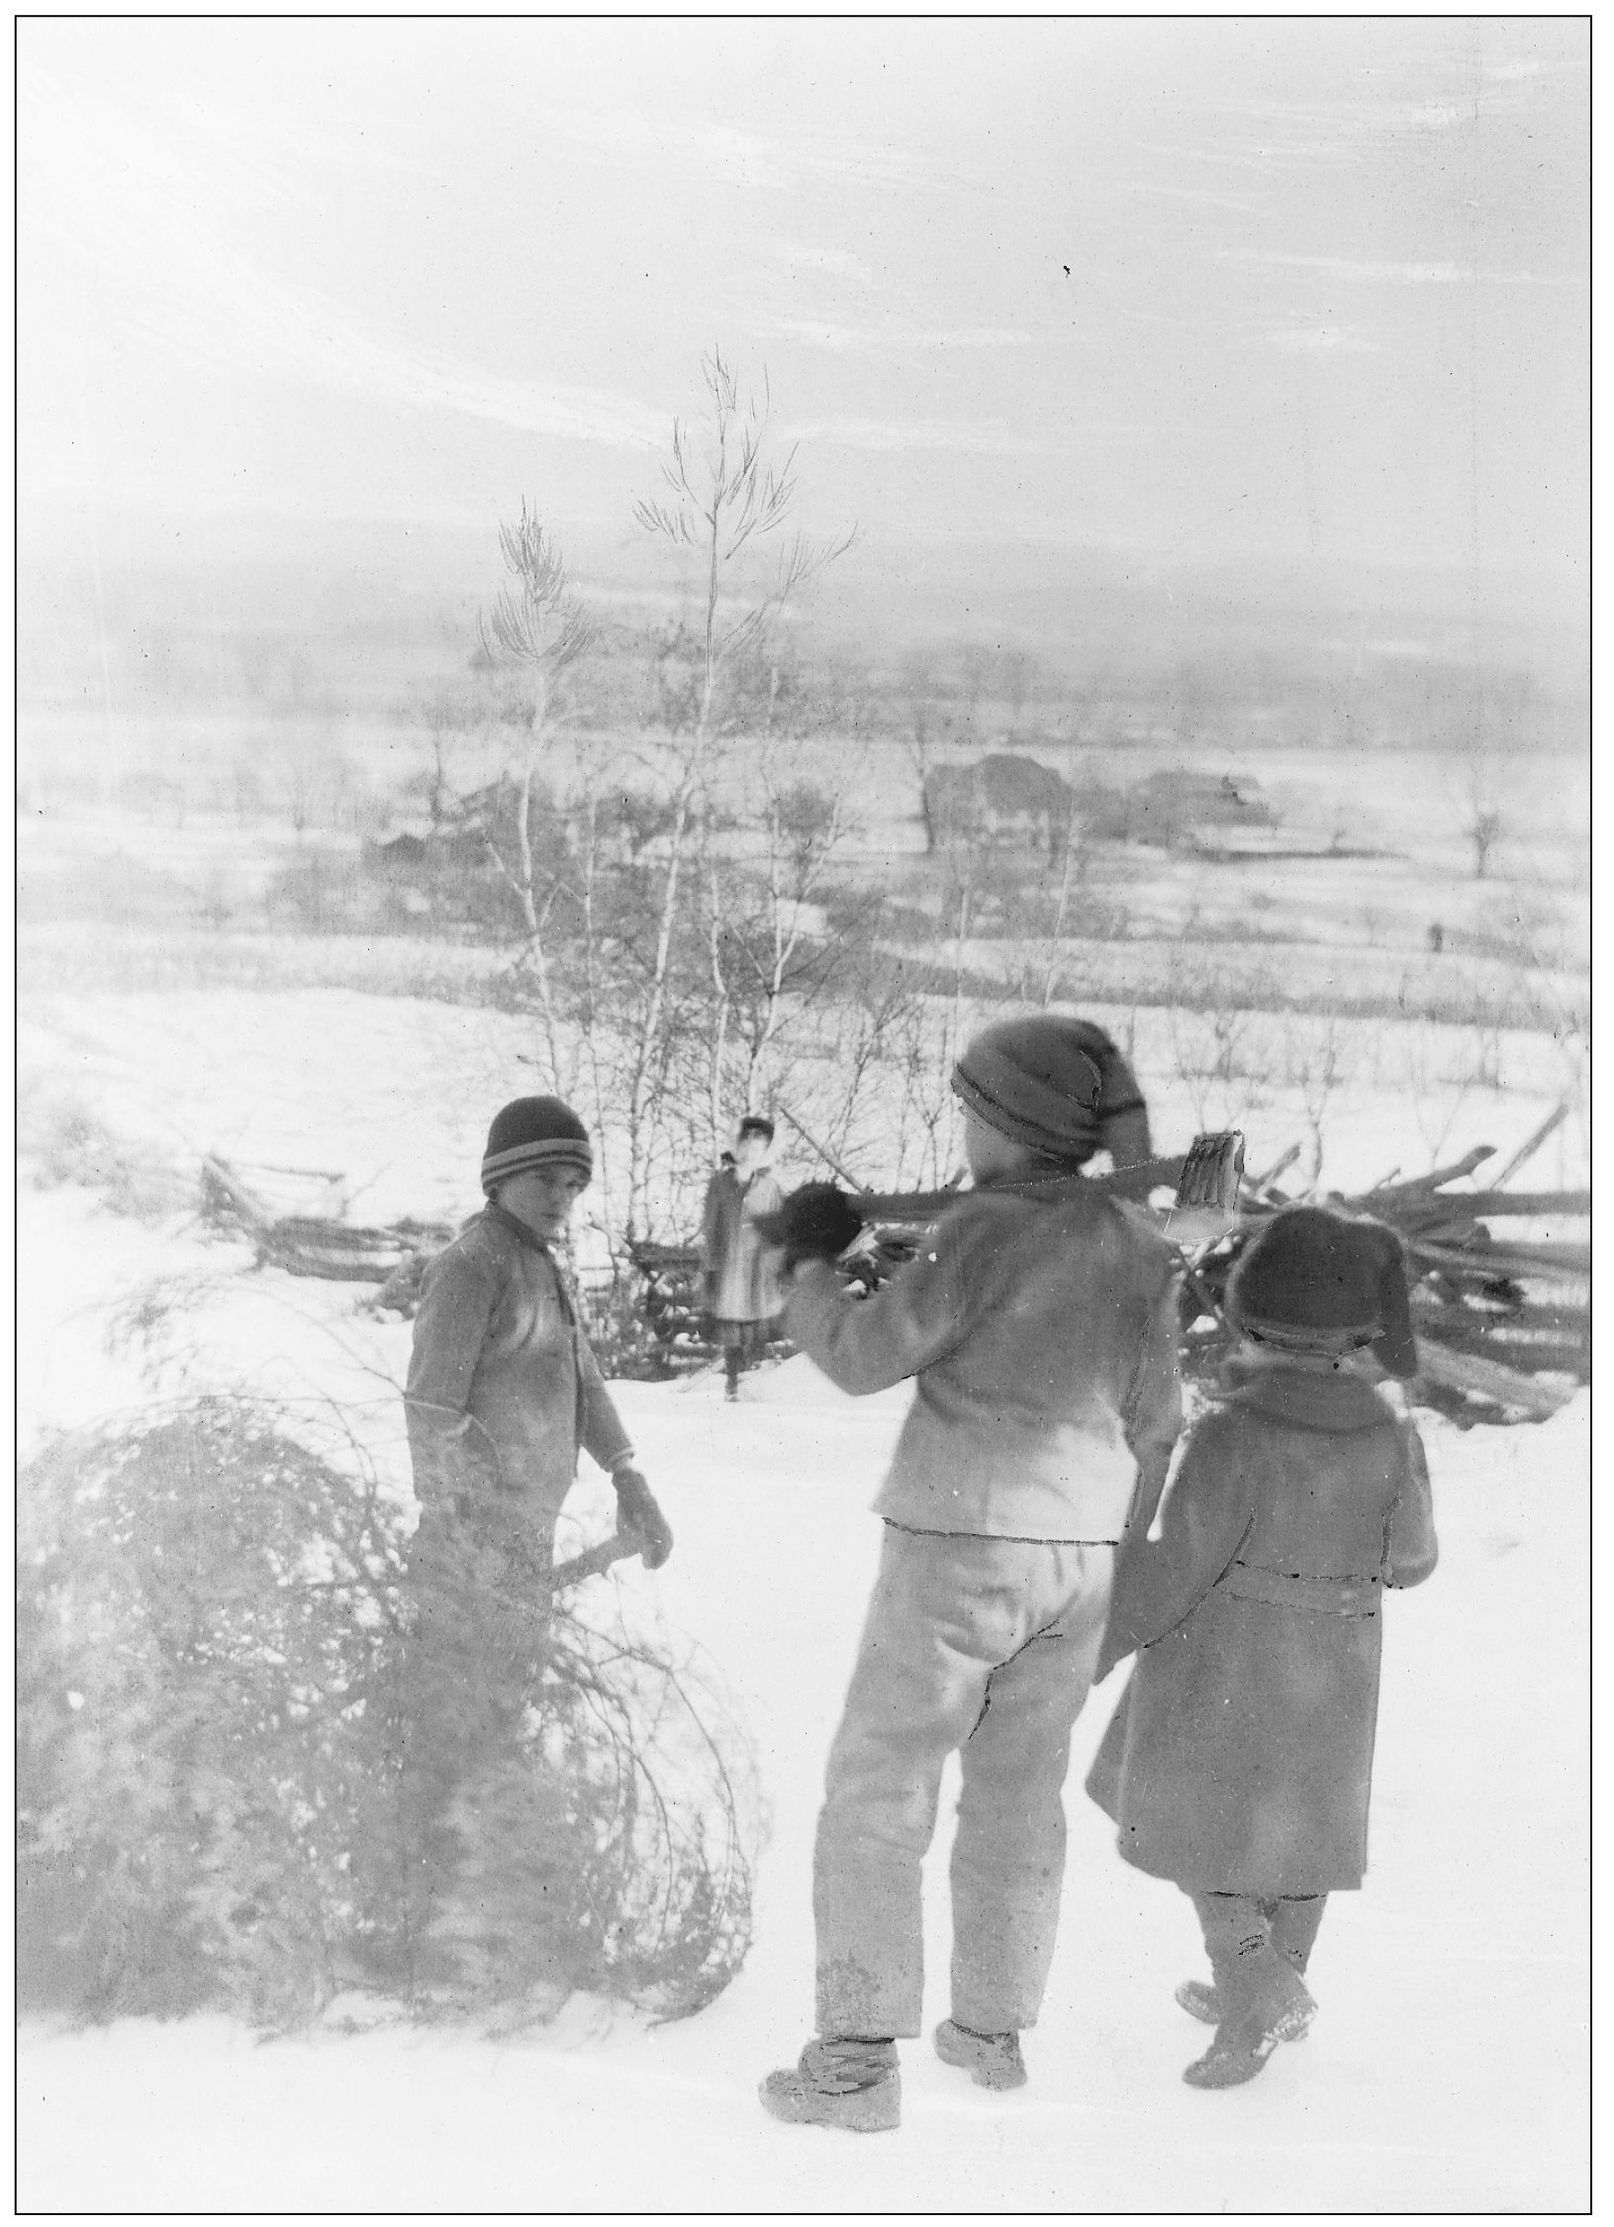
(213, 1627)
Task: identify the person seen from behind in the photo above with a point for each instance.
(1039, 1324)
(1238, 1762)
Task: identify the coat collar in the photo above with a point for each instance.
(502, 1218)
(1337, 1400)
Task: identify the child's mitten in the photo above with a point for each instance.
(814, 1223)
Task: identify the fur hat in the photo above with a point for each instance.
(534, 1133)
(1312, 1281)
(1037, 1081)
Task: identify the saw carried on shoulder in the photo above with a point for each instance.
(1204, 1180)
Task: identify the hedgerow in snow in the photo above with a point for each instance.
(211, 1627)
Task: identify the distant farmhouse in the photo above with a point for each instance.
(1184, 811)
(1011, 802)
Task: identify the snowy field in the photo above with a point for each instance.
(1446, 2071)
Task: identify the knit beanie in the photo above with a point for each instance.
(534, 1133)
(1036, 1081)
(1312, 1281)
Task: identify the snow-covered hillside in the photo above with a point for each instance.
(1445, 2072)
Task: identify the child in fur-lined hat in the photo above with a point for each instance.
(1039, 1326)
(1239, 1759)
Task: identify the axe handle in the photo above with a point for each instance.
(594, 1559)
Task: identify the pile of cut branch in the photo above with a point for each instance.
(320, 1243)
(1502, 1314)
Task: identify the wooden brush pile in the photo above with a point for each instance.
(1499, 1282)
(1499, 1279)
(317, 1241)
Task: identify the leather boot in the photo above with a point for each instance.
(841, 2080)
(991, 2060)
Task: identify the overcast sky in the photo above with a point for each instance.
(1198, 287)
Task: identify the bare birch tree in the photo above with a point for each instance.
(538, 623)
(723, 495)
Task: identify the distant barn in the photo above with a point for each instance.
(1003, 800)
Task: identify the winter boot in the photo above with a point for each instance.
(1200, 2000)
(1292, 1922)
(1269, 2004)
(991, 2060)
(843, 2081)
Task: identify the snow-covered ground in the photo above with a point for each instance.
(1445, 2072)
(1447, 2069)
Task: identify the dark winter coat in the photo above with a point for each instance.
(1240, 1758)
(503, 1387)
(742, 1284)
(1042, 1334)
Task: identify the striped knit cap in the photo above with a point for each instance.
(1035, 1080)
(534, 1133)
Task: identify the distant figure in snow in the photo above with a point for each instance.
(740, 1285)
(1039, 1323)
(502, 1391)
(1238, 1762)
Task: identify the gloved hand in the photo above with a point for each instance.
(637, 1511)
(814, 1223)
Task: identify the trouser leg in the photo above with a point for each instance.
(945, 1613)
(1009, 1855)
(1293, 1921)
(1238, 1941)
(909, 1705)
(476, 1634)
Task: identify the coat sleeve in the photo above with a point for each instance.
(866, 1345)
(447, 1449)
(711, 1217)
(1152, 1418)
(1157, 1581)
(601, 1428)
(1410, 1546)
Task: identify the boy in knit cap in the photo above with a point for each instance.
(502, 1391)
(1238, 1761)
(1039, 1325)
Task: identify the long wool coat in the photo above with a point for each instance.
(742, 1284)
(1240, 1757)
